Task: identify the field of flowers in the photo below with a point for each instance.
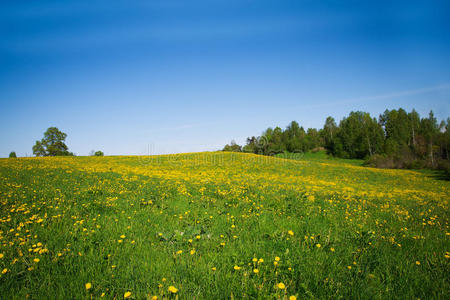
(220, 226)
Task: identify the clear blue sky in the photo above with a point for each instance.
(181, 76)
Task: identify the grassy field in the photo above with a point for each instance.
(219, 226)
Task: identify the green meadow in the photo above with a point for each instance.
(220, 226)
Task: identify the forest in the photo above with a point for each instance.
(397, 139)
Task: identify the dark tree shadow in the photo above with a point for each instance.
(440, 175)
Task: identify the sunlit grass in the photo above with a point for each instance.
(220, 225)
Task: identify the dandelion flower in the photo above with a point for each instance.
(256, 271)
(4, 271)
(290, 232)
(237, 268)
(281, 286)
(88, 285)
(173, 289)
(292, 298)
(417, 262)
(277, 258)
(127, 295)
(36, 260)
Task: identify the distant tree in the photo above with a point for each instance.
(359, 136)
(397, 130)
(12, 154)
(98, 153)
(52, 144)
(429, 129)
(233, 147)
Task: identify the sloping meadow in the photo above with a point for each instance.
(219, 225)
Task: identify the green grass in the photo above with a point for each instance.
(357, 232)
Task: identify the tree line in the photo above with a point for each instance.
(397, 139)
(53, 144)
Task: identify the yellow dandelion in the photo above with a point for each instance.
(88, 285)
(417, 262)
(277, 258)
(290, 232)
(237, 268)
(281, 286)
(173, 289)
(292, 298)
(127, 295)
(4, 271)
(318, 245)
(256, 271)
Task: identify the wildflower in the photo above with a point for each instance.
(290, 232)
(281, 286)
(1, 255)
(256, 271)
(417, 262)
(88, 285)
(127, 295)
(332, 249)
(318, 245)
(254, 259)
(122, 236)
(260, 260)
(173, 289)
(213, 268)
(179, 251)
(292, 297)
(4, 271)
(192, 252)
(277, 258)
(237, 268)
(36, 260)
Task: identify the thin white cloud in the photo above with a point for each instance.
(392, 95)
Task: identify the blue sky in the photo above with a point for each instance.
(133, 77)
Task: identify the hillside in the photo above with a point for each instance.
(220, 225)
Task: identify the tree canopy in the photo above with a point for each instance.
(396, 135)
(53, 144)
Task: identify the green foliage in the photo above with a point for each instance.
(233, 147)
(12, 154)
(399, 139)
(98, 153)
(52, 144)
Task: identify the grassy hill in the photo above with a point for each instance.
(220, 225)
